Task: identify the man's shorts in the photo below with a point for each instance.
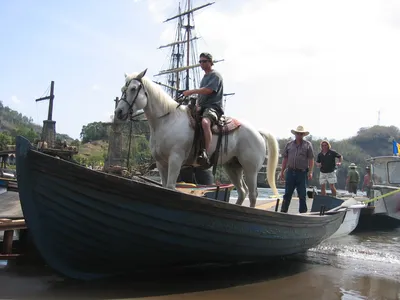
(327, 178)
(211, 114)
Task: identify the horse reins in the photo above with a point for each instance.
(130, 105)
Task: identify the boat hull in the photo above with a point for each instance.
(350, 222)
(87, 224)
(369, 219)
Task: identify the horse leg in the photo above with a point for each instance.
(174, 167)
(235, 174)
(244, 184)
(251, 180)
(163, 170)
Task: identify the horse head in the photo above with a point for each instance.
(134, 96)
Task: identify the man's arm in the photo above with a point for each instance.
(340, 157)
(310, 156)
(200, 91)
(319, 160)
(284, 163)
(310, 165)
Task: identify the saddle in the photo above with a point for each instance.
(223, 127)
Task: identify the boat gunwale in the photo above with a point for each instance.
(176, 199)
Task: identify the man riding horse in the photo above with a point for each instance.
(172, 132)
(209, 101)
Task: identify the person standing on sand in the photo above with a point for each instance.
(326, 161)
(298, 157)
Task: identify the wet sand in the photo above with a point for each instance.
(279, 280)
(354, 267)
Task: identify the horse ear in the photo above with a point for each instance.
(126, 75)
(140, 76)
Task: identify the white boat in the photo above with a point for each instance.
(350, 221)
(354, 207)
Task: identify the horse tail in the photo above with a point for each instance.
(272, 162)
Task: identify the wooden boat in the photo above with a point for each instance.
(350, 222)
(214, 191)
(87, 224)
(9, 184)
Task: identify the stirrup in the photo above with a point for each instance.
(203, 158)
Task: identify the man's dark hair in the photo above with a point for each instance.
(208, 56)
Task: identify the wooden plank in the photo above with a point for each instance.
(9, 256)
(10, 206)
(8, 224)
(268, 205)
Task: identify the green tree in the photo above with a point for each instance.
(5, 140)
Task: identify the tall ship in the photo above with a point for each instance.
(183, 71)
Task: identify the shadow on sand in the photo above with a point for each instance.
(34, 283)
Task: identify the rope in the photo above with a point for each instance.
(381, 196)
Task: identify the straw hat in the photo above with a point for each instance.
(352, 166)
(300, 129)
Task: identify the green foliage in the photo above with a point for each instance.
(94, 131)
(368, 139)
(25, 131)
(5, 140)
(93, 147)
(14, 123)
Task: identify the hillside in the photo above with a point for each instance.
(13, 123)
(93, 147)
(368, 142)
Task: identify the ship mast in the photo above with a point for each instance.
(183, 72)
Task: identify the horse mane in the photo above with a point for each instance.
(156, 93)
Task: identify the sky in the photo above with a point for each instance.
(330, 66)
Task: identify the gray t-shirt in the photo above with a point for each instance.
(212, 80)
(298, 155)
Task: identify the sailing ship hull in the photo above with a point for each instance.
(88, 224)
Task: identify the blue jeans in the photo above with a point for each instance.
(295, 179)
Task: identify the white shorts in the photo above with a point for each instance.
(327, 178)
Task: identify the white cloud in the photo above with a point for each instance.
(327, 65)
(15, 99)
(95, 87)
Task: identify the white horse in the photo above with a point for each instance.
(171, 139)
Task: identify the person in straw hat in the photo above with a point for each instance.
(353, 179)
(298, 158)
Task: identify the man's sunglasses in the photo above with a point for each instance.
(203, 61)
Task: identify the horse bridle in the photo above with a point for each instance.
(130, 105)
(123, 96)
